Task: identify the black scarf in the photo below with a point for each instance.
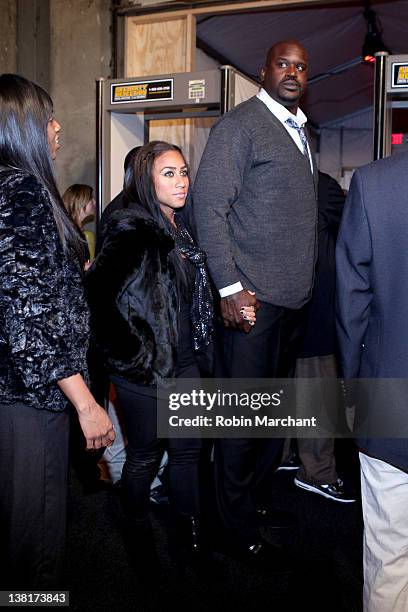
(201, 311)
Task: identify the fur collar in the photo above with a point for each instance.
(124, 224)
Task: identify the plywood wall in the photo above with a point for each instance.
(170, 130)
(158, 47)
(162, 46)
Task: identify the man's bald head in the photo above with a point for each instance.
(284, 75)
(276, 48)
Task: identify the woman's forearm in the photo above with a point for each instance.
(95, 423)
(76, 390)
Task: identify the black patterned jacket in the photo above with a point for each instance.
(43, 312)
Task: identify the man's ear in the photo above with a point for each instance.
(263, 74)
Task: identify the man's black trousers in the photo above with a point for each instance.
(268, 351)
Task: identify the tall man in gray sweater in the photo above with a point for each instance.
(255, 210)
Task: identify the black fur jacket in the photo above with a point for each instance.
(132, 294)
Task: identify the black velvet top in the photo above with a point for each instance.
(43, 312)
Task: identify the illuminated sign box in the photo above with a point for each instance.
(141, 91)
(400, 74)
(397, 139)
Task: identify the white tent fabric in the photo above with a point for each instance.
(244, 89)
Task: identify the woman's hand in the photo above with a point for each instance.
(96, 426)
(95, 423)
(234, 307)
(248, 313)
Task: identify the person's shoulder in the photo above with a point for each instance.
(381, 169)
(327, 180)
(328, 187)
(23, 193)
(126, 219)
(248, 107)
(242, 113)
(15, 181)
(136, 224)
(116, 204)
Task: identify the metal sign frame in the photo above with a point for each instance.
(208, 93)
(387, 95)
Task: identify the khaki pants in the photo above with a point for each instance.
(316, 454)
(384, 493)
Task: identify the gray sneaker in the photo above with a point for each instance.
(334, 491)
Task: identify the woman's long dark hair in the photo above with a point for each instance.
(25, 110)
(139, 184)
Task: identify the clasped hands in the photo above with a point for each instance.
(238, 310)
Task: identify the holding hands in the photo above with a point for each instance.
(238, 310)
(248, 314)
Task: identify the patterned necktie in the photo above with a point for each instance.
(293, 124)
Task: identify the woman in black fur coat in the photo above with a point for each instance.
(151, 310)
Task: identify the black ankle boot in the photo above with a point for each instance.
(185, 540)
(195, 542)
(140, 546)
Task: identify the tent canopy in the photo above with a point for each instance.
(340, 84)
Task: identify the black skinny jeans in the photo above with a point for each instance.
(144, 452)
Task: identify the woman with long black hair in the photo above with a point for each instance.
(43, 341)
(151, 310)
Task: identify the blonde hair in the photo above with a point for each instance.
(75, 199)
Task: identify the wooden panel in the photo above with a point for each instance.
(189, 134)
(191, 35)
(155, 48)
(171, 131)
(162, 46)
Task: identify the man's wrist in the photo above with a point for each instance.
(230, 289)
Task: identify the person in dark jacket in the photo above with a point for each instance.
(119, 202)
(318, 356)
(43, 342)
(151, 309)
(372, 307)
